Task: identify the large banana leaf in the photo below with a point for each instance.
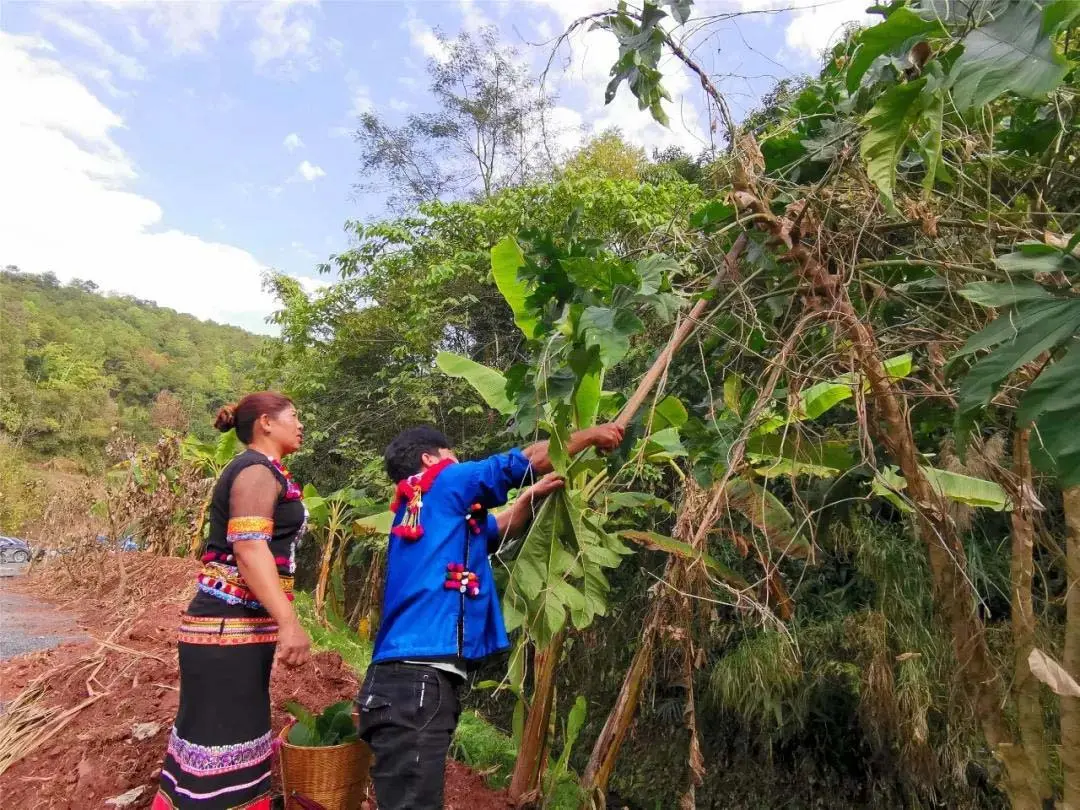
(963, 489)
(817, 399)
(998, 294)
(506, 260)
(380, 523)
(227, 447)
(490, 384)
(669, 545)
(315, 505)
(768, 515)
(793, 454)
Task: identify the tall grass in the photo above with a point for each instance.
(333, 635)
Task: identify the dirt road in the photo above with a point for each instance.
(28, 624)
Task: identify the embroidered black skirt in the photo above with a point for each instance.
(220, 749)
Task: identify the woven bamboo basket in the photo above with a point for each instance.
(335, 776)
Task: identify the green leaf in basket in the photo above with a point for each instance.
(303, 735)
(301, 714)
(343, 727)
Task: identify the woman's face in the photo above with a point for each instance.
(286, 431)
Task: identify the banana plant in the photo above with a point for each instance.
(579, 306)
(212, 457)
(331, 519)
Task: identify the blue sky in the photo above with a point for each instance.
(176, 150)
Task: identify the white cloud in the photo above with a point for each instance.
(285, 36)
(543, 29)
(814, 28)
(292, 142)
(360, 101)
(310, 285)
(102, 76)
(69, 206)
(308, 172)
(565, 128)
(397, 105)
(137, 39)
(306, 255)
(472, 18)
(127, 66)
(185, 25)
(423, 38)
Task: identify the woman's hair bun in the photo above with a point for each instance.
(226, 418)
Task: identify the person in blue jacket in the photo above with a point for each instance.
(441, 613)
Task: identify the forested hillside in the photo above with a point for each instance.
(79, 369)
(76, 364)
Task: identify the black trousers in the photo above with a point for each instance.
(408, 713)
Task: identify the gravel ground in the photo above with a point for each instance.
(27, 624)
(10, 569)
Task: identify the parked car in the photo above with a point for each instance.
(12, 549)
(127, 543)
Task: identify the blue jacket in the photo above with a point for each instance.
(420, 617)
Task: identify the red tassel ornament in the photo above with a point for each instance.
(410, 492)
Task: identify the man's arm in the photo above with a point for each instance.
(514, 521)
(491, 480)
(604, 438)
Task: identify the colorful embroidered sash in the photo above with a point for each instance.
(225, 583)
(227, 632)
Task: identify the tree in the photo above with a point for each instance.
(487, 131)
(415, 285)
(608, 155)
(900, 77)
(168, 413)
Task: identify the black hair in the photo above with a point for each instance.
(403, 454)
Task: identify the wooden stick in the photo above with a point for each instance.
(683, 331)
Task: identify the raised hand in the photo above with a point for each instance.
(606, 438)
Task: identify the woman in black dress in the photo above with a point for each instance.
(219, 752)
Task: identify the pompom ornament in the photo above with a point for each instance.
(461, 580)
(476, 518)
